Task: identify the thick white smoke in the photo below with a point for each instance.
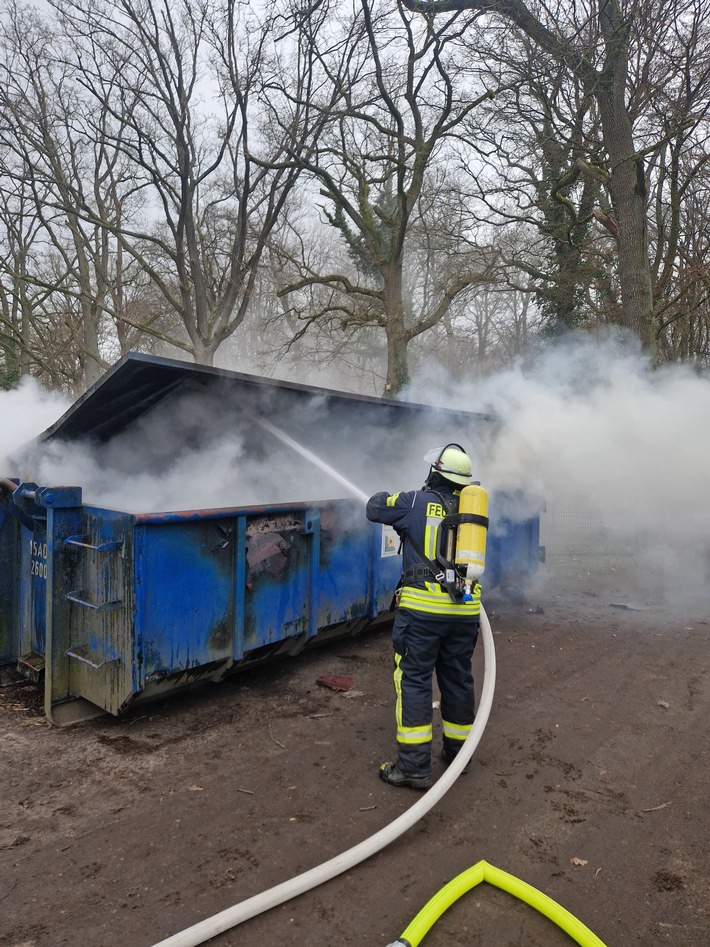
(589, 418)
(197, 451)
(599, 422)
(592, 420)
(181, 456)
(24, 413)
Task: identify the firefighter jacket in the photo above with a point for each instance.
(416, 516)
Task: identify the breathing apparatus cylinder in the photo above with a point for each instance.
(470, 559)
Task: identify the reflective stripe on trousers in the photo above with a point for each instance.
(455, 731)
(407, 735)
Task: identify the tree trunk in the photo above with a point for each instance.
(202, 354)
(93, 370)
(628, 189)
(397, 362)
(396, 330)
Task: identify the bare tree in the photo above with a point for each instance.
(494, 326)
(541, 131)
(213, 186)
(18, 232)
(395, 100)
(53, 164)
(670, 102)
(685, 317)
(143, 133)
(593, 41)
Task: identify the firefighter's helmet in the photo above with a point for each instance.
(452, 462)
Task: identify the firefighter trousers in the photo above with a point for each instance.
(425, 645)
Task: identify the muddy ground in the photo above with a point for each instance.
(590, 783)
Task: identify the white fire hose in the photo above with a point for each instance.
(231, 917)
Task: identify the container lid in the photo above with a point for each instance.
(137, 383)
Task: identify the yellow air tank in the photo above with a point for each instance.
(470, 557)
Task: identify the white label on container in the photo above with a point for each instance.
(390, 542)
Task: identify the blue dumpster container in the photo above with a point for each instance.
(110, 607)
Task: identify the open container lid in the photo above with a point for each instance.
(137, 383)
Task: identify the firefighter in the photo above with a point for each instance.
(435, 628)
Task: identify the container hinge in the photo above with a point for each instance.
(78, 597)
(103, 547)
(80, 654)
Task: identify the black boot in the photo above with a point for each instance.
(392, 774)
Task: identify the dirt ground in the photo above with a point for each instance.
(590, 783)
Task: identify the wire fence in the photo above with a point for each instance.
(574, 526)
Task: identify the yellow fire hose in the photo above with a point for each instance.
(482, 871)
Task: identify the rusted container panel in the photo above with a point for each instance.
(116, 607)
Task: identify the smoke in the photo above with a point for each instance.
(25, 412)
(588, 418)
(598, 421)
(193, 452)
(211, 449)
(591, 419)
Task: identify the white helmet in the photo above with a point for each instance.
(452, 462)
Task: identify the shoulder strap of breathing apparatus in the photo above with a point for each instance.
(443, 570)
